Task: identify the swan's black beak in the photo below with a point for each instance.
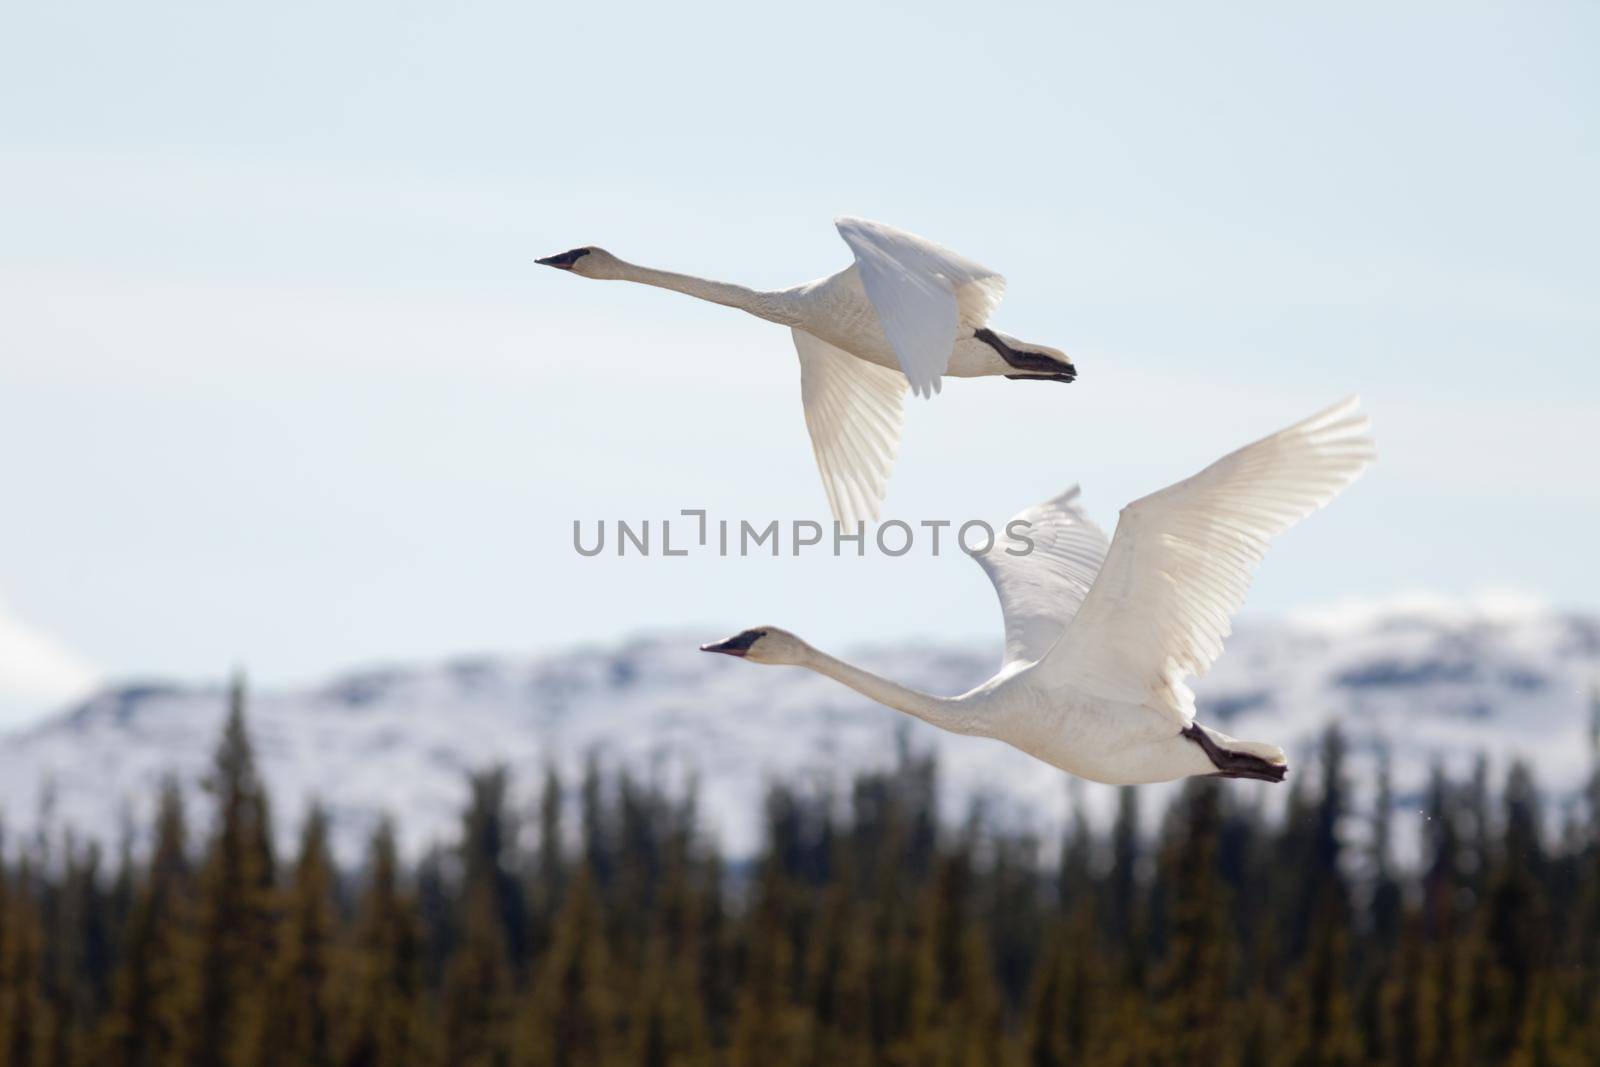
(737, 645)
(565, 260)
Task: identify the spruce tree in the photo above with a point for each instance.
(569, 1020)
(550, 869)
(82, 957)
(480, 975)
(837, 980)
(145, 1028)
(1196, 977)
(1068, 995)
(1323, 1035)
(295, 1027)
(672, 1022)
(27, 1022)
(1383, 919)
(235, 915)
(768, 1028)
(1513, 929)
(1125, 920)
(5, 950)
(1445, 997)
(1403, 1017)
(383, 976)
(956, 1001)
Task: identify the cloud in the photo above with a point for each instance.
(35, 671)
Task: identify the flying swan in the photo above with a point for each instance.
(1099, 638)
(906, 311)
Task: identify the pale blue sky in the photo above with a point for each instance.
(281, 385)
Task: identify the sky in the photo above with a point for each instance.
(282, 388)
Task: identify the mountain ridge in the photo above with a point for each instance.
(1432, 681)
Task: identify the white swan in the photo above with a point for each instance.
(1099, 638)
(906, 310)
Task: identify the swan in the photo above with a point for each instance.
(1100, 636)
(905, 312)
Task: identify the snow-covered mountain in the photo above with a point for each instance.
(1435, 681)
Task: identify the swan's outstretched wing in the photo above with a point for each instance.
(1182, 558)
(1041, 590)
(854, 410)
(921, 292)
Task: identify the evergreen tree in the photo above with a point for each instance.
(1445, 997)
(1513, 929)
(1384, 916)
(549, 871)
(673, 1027)
(569, 1020)
(295, 1027)
(27, 1021)
(235, 913)
(1060, 1029)
(863, 938)
(1321, 1016)
(1196, 977)
(480, 976)
(1077, 847)
(1586, 923)
(1404, 1016)
(838, 976)
(145, 1028)
(1125, 923)
(768, 1027)
(956, 1000)
(384, 973)
(1014, 924)
(83, 958)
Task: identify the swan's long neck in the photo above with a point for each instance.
(773, 306)
(944, 712)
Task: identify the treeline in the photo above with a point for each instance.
(864, 933)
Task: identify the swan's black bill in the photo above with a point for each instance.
(565, 260)
(737, 645)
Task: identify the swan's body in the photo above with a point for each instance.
(1100, 636)
(906, 311)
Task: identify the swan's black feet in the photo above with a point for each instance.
(1042, 367)
(1232, 764)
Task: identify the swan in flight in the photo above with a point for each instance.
(1100, 637)
(906, 311)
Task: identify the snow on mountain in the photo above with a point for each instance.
(1434, 681)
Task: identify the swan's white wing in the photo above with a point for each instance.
(1041, 590)
(921, 292)
(1181, 561)
(854, 410)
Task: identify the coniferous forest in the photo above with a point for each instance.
(608, 931)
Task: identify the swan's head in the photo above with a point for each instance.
(1042, 363)
(761, 644)
(590, 262)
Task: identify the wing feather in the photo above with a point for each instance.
(922, 293)
(1041, 590)
(854, 410)
(1182, 558)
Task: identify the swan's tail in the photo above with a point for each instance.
(1239, 759)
